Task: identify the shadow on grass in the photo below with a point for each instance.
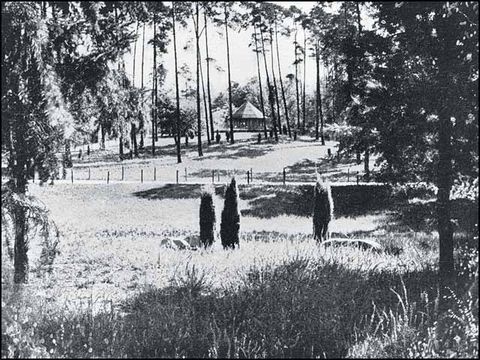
(171, 191)
(241, 149)
(176, 191)
(270, 201)
(422, 216)
(323, 165)
(298, 200)
(299, 309)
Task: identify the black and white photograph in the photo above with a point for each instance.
(239, 179)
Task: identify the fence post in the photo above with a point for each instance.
(123, 173)
(218, 175)
(154, 174)
(177, 176)
(358, 178)
(185, 174)
(248, 177)
(88, 173)
(213, 176)
(141, 175)
(284, 176)
(71, 174)
(251, 175)
(348, 175)
(108, 177)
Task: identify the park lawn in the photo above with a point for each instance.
(111, 266)
(111, 234)
(267, 161)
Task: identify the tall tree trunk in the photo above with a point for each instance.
(319, 97)
(142, 120)
(317, 93)
(287, 120)
(119, 68)
(349, 60)
(204, 100)
(230, 111)
(134, 145)
(271, 96)
(212, 130)
(257, 51)
(296, 80)
(366, 163)
(199, 115)
(177, 91)
(154, 111)
(304, 95)
(20, 250)
(334, 97)
(135, 53)
(133, 128)
(120, 144)
(367, 145)
(156, 105)
(102, 137)
(20, 247)
(120, 137)
(275, 82)
(17, 166)
(445, 163)
(20, 186)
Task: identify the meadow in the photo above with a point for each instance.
(114, 291)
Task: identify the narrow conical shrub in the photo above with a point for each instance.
(322, 210)
(207, 217)
(230, 224)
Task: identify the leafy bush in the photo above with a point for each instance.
(465, 188)
(19, 329)
(230, 224)
(422, 190)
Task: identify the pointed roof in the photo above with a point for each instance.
(247, 111)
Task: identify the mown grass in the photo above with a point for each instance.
(116, 293)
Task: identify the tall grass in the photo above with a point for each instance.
(278, 295)
(342, 302)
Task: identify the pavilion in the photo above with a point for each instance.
(248, 117)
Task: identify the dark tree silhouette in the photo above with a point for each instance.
(322, 210)
(207, 218)
(230, 225)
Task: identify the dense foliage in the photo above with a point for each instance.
(207, 218)
(230, 225)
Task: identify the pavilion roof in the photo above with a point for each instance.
(247, 111)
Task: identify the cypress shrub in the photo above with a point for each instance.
(322, 210)
(230, 224)
(207, 217)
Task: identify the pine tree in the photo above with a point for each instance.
(230, 225)
(207, 218)
(40, 81)
(322, 210)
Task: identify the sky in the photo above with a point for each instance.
(242, 58)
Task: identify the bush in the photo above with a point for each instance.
(230, 224)
(421, 190)
(207, 218)
(322, 210)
